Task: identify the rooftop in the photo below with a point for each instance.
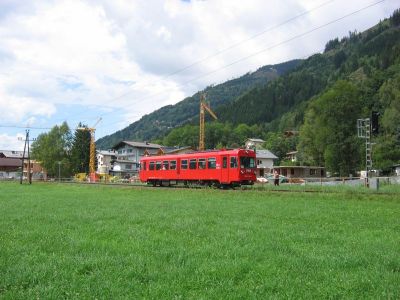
(265, 154)
(256, 140)
(145, 145)
(106, 152)
(11, 153)
(10, 162)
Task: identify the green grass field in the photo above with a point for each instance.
(85, 242)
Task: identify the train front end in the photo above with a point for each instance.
(247, 167)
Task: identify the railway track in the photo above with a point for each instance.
(255, 188)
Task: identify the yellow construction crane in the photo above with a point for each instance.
(204, 107)
(92, 151)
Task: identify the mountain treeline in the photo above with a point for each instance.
(158, 123)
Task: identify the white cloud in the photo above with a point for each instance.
(164, 33)
(16, 109)
(9, 142)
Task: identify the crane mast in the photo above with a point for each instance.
(203, 108)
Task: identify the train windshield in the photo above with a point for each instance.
(247, 162)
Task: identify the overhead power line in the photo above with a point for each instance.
(284, 42)
(23, 127)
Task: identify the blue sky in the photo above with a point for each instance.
(78, 60)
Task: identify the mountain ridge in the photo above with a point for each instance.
(158, 123)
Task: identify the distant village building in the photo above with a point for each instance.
(265, 162)
(36, 170)
(105, 158)
(253, 143)
(13, 154)
(292, 156)
(301, 171)
(11, 163)
(127, 157)
(9, 168)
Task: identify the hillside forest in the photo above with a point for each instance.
(321, 99)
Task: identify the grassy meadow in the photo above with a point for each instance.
(87, 241)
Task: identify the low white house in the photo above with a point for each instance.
(265, 162)
(128, 154)
(104, 160)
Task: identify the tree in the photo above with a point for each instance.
(52, 149)
(183, 136)
(395, 18)
(386, 151)
(328, 136)
(80, 154)
(280, 145)
(332, 44)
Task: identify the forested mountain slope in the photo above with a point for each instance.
(355, 57)
(161, 121)
(321, 98)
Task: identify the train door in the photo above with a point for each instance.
(224, 170)
(178, 166)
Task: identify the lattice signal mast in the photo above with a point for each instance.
(364, 131)
(204, 107)
(92, 150)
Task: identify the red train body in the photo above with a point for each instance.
(220, 168)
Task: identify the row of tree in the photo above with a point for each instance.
(60, 150)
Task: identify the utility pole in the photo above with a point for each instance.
(26, 149)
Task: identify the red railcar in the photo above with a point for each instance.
(217, 167)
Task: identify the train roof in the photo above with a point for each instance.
(206, 153)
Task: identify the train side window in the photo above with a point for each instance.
(172, 165)
(233, 162)
(224, 162)
(192, 164)
(151, 165)
(143, 166)
(158, 165)
(212, 163)
(165, 165)
(184, 164)
(202, 163)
